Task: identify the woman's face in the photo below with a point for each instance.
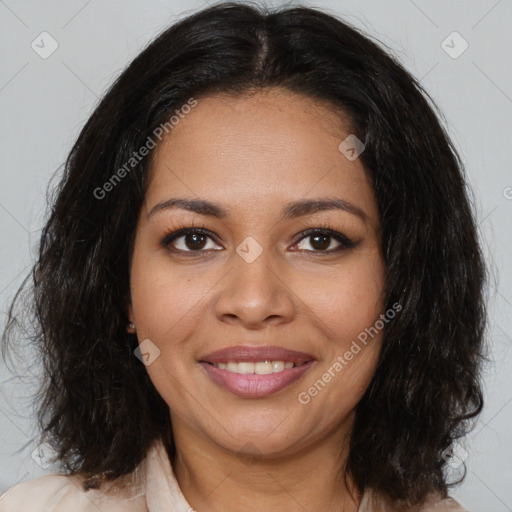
(256, 279)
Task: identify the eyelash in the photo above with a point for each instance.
(322, 229)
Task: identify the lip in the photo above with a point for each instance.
(253, 354)
(254, 385)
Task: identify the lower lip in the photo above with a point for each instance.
(253, 385)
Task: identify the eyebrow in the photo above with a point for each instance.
(291, 210)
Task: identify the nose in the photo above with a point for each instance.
(255, 295)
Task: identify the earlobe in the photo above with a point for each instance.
(131, 326)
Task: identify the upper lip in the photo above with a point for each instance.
(253, 354)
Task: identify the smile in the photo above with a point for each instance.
(242, 378)
(259, 367)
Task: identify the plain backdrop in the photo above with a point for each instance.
(45, 101)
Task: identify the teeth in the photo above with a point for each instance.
(259, 368)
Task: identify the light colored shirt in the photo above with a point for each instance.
(152, 487)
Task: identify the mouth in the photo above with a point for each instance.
(258, 367)
(252, 372)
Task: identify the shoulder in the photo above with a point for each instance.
(435, 502)
(61, 493)
(373, 501)
(48, 493)
(446, 505)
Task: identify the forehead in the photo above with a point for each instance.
(259, 149)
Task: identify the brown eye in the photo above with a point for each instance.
(321, 240)
(187, 240)
(194, 241)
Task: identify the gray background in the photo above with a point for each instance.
(45, 102)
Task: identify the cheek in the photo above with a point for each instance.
(163, 299)
(163, 304)
(351, 352)
(348, 298)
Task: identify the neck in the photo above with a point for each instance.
(215, 479)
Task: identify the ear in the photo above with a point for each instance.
(131, 326)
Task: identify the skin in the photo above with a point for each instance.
(253, 155)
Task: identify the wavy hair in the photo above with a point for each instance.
(97, 406)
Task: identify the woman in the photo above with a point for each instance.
(260, 285)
